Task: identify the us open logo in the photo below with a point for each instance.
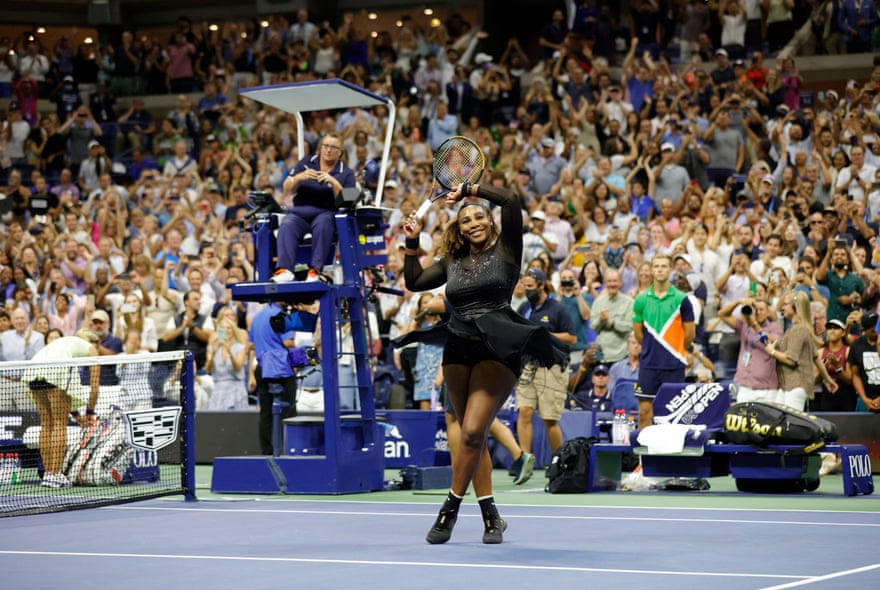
(152, 430)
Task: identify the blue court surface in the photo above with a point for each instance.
(355, 542)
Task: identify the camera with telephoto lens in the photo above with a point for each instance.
(303, 357)
(747, 310)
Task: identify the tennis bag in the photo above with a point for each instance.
(570, 467)
(763, 423)
(102, 456)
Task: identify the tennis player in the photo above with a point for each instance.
(485, 338)
(56, 390)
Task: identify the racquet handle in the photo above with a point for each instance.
(420, 214)
(423, 209)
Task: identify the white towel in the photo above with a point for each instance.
(664, 439)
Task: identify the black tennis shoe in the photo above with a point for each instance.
(494, 531)
(442, 529)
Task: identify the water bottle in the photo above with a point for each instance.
(16, 468)
(630, 428)
(617, 427)
(338, 275)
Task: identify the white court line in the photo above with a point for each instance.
(517, 516)
(495, 566)
(570, 506)
(830, 576)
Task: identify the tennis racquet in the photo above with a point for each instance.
(457, 160)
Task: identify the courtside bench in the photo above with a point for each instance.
(704, 404)
(740, 461)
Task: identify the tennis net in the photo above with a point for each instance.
(138, 445)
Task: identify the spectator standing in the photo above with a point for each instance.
(543, 388)
(834, 355)
(863, 363)
(857, 19)
(191, 330)
(725, 147)
(81, 129)
(845, 287)
(611, 318)
(546, 167)
(136, 128)
(441, 126)
(126, 60)
(572, 296)
(34, 66)
(226, 356)
(796, 355)
(107, 344)
(180, 65)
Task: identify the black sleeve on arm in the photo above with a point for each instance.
(511, 219)
(423, 279)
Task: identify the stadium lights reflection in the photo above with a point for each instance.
(213, 27)
(399, 23)
(372, 16)
(88, 40)
(435, 22)
(41, 30)
(429, 11)
(264, 24)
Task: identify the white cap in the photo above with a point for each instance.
(768, 178)
(684, 257)
(667, 146)
(482, 58)
(539, 215)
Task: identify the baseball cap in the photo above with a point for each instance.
(832, 94)
(525, 170)
(211, 138)
(482, 58)
(536, 274)
(869, 319)
(668, 146)
(100, 315)
(739, 62)
(391, 184)
(829, 211)
(68, 78)
(600, 370)
(768, 178)
(539, 215)
(94, 143)
(721, 52)
(835, 323)
(547, 142)
(684, 257)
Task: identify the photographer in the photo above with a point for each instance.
(271, 374)
(755, 375)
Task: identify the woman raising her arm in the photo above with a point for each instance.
(485, 339)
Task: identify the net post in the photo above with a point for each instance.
(188, 448)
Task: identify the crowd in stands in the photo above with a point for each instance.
(717, 157)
